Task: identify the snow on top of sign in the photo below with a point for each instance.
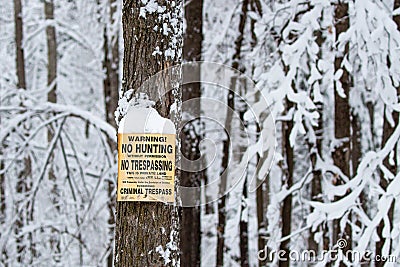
(145, 120)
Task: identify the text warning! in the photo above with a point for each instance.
(146, 167)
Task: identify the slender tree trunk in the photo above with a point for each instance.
(111, 87)
(316, 189)
(143, 228)
(226, 143)
(24, 245)
(52, 98)
(262, 191)
(286, 212)
(341, 155)
(262, 199)
(315, 148)
(51, 51)
(190, 138)
(287, 170)
(20, 59)
(388, 130)
(244, 209)
(224, 178)
(244, 227)
(111, 66)
(262, 202)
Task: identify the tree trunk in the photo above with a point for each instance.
(51, 51)
(315, 148)
(244, 228)
(262, 191)
(111, 87)
(24, 245)
(111, 66)
(316, 188)
(52, 98)
(262, 199)
(190, 138)
(142, 228)
(224, 178)
(286, 212)
(341, 155)
(20, 59)
(226, 143)
(244, 209)
(387, 132)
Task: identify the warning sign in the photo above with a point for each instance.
(146, 167)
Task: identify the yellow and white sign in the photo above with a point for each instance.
(146, 167)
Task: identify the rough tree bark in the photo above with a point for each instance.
(142, 227)
(226, 143)
(110, 87)
(388, 130)
(341, 155)
(190, 136)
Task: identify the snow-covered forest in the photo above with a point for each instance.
(287, 114)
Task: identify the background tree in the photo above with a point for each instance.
(52, 98)
(388, 130)
(191, 133)
(111, 93)
(342, 153)
(23, 241)
(227, 143)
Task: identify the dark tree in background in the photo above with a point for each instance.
(230, 100)
(315, 151)
(24, 182)
(52, 98)
(288, 167)
(388, 130)
(341, 155)
(190, 134)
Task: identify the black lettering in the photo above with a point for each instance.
(169, 149)
(124, 164)
(126, 148)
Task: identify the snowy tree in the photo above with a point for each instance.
(147, 233)
(110, 18)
